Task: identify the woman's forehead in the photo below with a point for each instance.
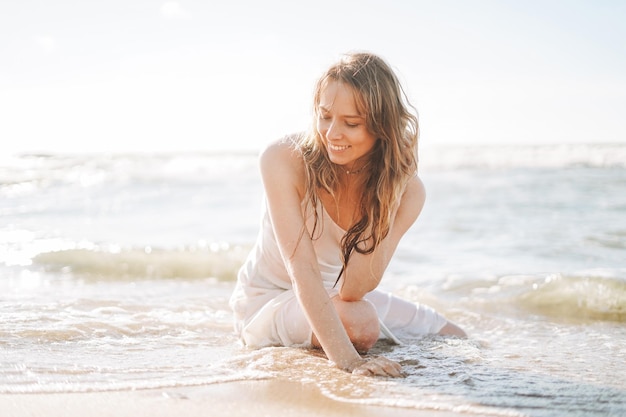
(336, 95)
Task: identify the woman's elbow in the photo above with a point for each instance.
(355, 290)
(351, 295)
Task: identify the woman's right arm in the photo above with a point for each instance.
(283, 180)
(283, 176)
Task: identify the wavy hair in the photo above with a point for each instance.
(393, 161)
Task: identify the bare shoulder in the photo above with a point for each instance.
(281, 162)
(415, 191)
(280, 151)
(412, 202)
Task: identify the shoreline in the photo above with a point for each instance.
(230, 399)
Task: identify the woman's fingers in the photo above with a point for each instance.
(391, 368)
(379, 366)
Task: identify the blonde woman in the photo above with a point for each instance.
(338, 200)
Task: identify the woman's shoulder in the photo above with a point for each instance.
(412, 201)
(284, 148)
(283, 157)
(415, 188)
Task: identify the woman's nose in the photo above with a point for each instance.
(334, 131)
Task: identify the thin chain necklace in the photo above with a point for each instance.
(356, 171)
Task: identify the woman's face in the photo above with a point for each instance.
(342, 128)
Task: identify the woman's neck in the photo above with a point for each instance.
(344, 204)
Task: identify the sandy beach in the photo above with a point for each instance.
(249, 398)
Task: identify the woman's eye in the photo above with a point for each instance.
(352, 124)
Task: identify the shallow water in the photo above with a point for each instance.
(115, 273)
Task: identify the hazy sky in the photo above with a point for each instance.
(153, 75)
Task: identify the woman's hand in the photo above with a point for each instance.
(378, 366)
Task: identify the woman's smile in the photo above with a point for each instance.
(338, 148)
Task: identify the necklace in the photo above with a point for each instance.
(356, 171)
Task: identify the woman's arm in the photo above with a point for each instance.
(283, 178)
(364, 272)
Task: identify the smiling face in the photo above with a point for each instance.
(342, 126)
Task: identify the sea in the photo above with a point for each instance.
(116, 269)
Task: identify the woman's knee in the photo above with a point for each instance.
(360, 321)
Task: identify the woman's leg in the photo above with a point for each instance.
(360, 321)
(399, 314)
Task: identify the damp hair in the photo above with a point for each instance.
(393, 121)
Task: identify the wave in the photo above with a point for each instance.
(42, 171)
(220, 261)
(586, 297)
(555, 297)
(20, 173)
(523, 156)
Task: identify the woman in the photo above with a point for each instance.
(338, 200)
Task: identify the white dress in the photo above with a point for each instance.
(267, 312)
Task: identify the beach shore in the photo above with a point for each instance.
(249, 398)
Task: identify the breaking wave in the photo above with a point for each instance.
(219, 261)
(555, 297)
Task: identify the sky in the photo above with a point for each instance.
(204, 75)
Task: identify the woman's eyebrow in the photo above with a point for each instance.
(345, 116)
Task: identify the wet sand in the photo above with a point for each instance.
(249, 398)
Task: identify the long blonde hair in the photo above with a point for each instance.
(393, 160)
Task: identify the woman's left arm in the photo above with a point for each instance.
(364, 272)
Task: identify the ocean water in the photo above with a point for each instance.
(115, 273)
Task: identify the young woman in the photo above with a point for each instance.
(338, 200)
